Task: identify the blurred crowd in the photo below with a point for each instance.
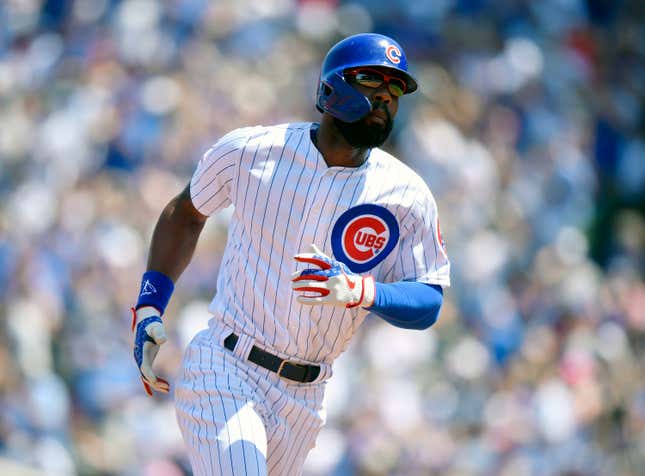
(529, 127)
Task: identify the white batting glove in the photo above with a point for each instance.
(334, 283)
(149, 335)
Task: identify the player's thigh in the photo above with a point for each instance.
(227, 438)
(292, 438)
(221, 426)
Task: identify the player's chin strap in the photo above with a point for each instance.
(331, 283)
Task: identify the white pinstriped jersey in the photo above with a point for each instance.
(379, 218)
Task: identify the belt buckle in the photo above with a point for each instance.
(284, 362)
(281, 368)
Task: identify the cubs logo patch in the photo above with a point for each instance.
(363, 236)
(393, 54)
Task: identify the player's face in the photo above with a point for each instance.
(383, 91)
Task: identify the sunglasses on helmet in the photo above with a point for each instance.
(372, 78)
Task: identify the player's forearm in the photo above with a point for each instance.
(175, 237)
(410, 305)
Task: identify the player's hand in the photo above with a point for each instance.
(334, 283)
(149, 334)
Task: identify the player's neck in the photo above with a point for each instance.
(335, 149)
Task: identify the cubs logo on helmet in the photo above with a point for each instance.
(393, 54)
(363, 236)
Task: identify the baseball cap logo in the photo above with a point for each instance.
(393, 53)
(363, 236)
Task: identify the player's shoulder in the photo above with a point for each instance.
(241, 134)
(274, 131)
(291, 126)
(413, 192)
(282, 132)
(395, 170)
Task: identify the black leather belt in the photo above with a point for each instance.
(298, 372)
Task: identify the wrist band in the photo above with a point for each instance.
(156, 289)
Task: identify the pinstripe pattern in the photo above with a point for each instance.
(227, 431)
(236, 417)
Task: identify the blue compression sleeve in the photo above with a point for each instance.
(408, 304)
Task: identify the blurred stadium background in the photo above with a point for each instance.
(529, 128)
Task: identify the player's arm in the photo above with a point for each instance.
(175, 236)
(174, 241)
(407, 304)
(173, 244)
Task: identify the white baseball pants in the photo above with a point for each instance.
(240, 419)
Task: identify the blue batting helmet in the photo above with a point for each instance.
(337, 97)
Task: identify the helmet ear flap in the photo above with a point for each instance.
(341, 100)
(323, 92)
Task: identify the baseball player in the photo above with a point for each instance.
(327, 230)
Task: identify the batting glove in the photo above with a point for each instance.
(149, 335)
(334, 282)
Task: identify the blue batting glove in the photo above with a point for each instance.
(149, 335)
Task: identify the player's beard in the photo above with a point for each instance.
(361, 135)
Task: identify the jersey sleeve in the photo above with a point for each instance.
(422, 253)
(212, 185)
